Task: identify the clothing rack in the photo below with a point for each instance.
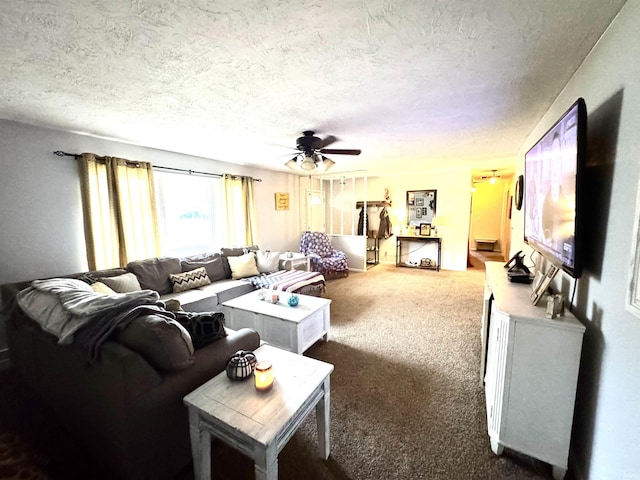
(379, 203)
(60, 153)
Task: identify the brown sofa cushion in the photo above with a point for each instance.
(153, 273)
(164, 343)
(213, 264)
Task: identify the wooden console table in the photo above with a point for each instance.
(415, 263)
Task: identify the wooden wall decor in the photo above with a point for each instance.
(282, 201)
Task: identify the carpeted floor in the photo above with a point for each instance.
(406, 398)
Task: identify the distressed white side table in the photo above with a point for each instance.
(260, 424)
(292, 328)
(295, 259)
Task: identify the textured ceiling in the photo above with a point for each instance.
(416, 84)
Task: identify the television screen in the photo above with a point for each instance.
(553, 169)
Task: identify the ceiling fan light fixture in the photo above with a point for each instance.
(308, 163)
(326, 164)
(293, 163)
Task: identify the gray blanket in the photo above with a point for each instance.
(65, 306)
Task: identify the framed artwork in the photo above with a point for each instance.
(425, 229)
(282, 201)
(541, 284)
(633, 288)
(421, 207)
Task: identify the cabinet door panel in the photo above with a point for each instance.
(496, 370)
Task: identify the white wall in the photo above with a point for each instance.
(453, 202)
(41, 211)
(606, 434)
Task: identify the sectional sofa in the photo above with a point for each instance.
(125, 406)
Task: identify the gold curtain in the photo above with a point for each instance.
(240, 215)
(120, 217)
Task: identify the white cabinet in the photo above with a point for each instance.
(531, 373)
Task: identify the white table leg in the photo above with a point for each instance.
(322, 421)
(496, 446)
(266, 463)
(200, 448)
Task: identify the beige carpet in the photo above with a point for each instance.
(406, 399)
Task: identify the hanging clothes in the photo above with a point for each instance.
(361, 221)
(384, 231)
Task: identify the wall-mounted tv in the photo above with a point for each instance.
(553, 171)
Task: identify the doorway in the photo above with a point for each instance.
(315, 207)
(490, 219)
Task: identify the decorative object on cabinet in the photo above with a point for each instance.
(421, 206)
(529, 364)
(633, 291)
(425, 229)
(241, 364)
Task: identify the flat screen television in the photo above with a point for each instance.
(553, 171)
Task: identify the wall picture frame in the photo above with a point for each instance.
(282, 201)
(421, 207)
(425, 229)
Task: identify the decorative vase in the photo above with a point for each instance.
(293, 300)
(241, 365)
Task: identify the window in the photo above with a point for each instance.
(187, 214)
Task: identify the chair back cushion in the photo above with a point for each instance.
(315, 242)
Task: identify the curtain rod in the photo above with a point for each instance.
(60, 153)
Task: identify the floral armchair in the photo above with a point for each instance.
(324, 258)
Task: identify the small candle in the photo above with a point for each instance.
(263, 375)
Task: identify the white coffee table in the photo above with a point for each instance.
(295, 259)
(260, 424)
(292, 328)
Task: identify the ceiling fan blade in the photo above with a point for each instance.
(340, 151)
(324, 142)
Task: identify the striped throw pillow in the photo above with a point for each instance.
(188, 280)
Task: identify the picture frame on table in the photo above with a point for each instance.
(541, 284)
(425, 229)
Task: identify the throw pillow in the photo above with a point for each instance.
(163, 342)
(204, 328)
(127, 282)
(243, 266)
(188, 280)
(267, 261)
(232, 251)
(100, 287)
(153, 273)
(214, 267)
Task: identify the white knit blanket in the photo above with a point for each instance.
(63, 305)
